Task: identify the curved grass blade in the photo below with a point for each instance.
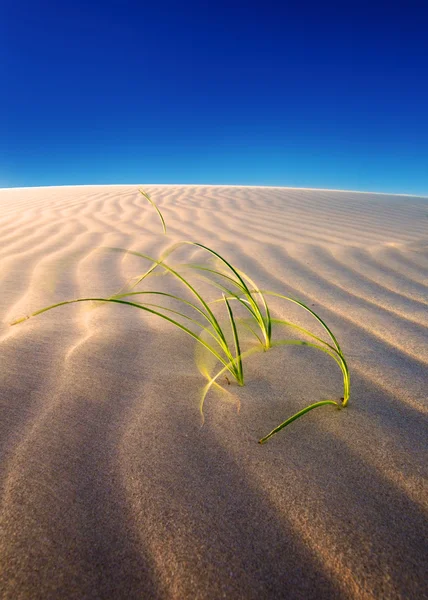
(264, 324)
(236, 342)
(171, 310)
(334, 355)
(306, 332)
(155, 207)
(213, 319)
(174, 297)
(213, 379)
(230, 365)
(231, 295)
(297, 416)
(246, 323)
(324, 325)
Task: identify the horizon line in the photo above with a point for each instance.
(211, 185)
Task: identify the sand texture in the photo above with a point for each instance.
(110, 487)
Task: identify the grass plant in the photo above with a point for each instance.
(207, 328)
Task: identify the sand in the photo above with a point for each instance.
(110, 487)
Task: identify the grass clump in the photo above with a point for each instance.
(198, 317)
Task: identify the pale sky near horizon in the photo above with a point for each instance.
(314, 95)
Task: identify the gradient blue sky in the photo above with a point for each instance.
(305, 94)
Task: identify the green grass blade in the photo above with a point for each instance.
(155, 207)
(184, 316)
(229, 364)
(246, 323)
(236, 342)
(334, 355)
(264, 322)
(305, 331)
(231, 295)
(174, 297)
(214, 272)
(265, 305)
(336, 343)
(266, 328)
(297, 416)
(212, 380)
(212, 317)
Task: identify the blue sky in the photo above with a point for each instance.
(308, 94)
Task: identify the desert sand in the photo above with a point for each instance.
(110, 486)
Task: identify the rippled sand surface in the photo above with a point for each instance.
(110, 487)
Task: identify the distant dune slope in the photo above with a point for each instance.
(110, 487)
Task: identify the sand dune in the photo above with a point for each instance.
(110, 487)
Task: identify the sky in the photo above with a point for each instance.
(297, 94)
